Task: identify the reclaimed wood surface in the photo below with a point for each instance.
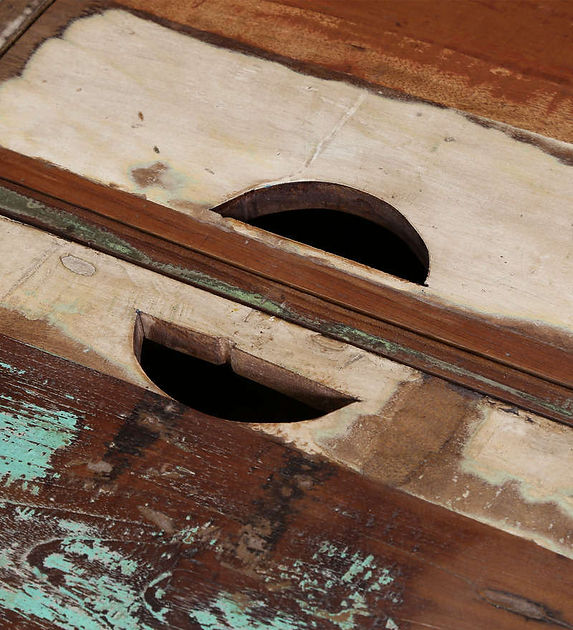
(509, 61)
(510, 365)
(473, 455)
(16, 16)
(144, 513)
(123, 509)
(191, 125)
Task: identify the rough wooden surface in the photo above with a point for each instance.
(121, 508)
(224, 123)
(16, 16)
(510, 60)
(482, 458)
(507, 364)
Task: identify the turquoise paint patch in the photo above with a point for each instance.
(29, 437)
(359, 565)
(225, 612)
(9, 368)
(159, 594)
(357, 580)
(95, 551)
(92, 593)
(25, 513)
(83, 605)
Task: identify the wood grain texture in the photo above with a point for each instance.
(226, 123)
(122, 508)
(510, 61)
(507, 364)
(16, 16)
(473, 455)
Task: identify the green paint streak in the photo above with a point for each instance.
(67, 223)
(23, 207)
(29, 436)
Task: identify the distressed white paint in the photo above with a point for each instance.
(494, 212)
(97, 312)
(542, 468)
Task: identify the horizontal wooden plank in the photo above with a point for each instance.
(225, 123)
(509, 61)
(469, 453)
(489, 358)
(123, 507)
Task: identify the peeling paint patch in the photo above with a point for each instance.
(226, 612)
(12, 370)
(73, 578)
(29, 436)
(542, 468)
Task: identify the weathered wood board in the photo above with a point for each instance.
(238, 530)
(190, 125)
(16, 16)
(507, 364)
(123, 509)
(509, 61)
(449, 445)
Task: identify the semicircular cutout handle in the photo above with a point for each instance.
(338, 219)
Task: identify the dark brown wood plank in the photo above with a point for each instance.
(122, 508)
(473, 352)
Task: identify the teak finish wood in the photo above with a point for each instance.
(484, 356)
(123, 508)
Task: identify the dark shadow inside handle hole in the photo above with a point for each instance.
(349, 236)
(337, 219)
(201, 372)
